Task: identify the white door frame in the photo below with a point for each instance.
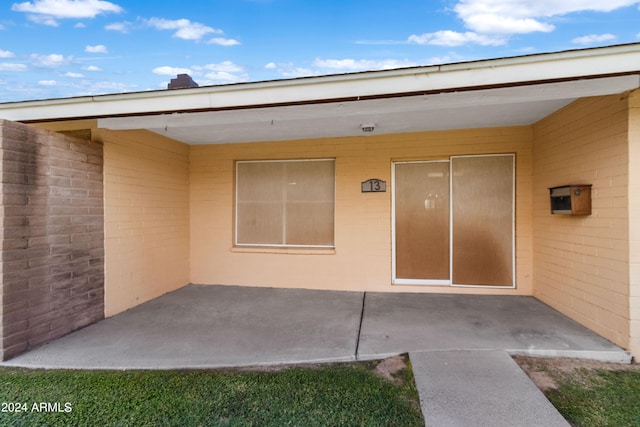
(400, 281)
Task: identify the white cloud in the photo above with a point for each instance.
(185, 29)
(49, 61)
(288, 69)
(97, 88)
(67, 8)
(79, 25)
(297, 72)
(496, 24)
(47, 11)
(7, 66)
(440, 60)
(92, 68)
(342, 64)
(525, 16)
(170, 71)
(454, 38)
(224, 72)
(6, 54)
(362, 64)
(492, 22)
(43, 20)
(210, 74)
(73, 75)
(322, 66)
(47, 83)
(221, 41)
(121, 27)
(100, 48)
(594, 38)
(223, 77)
(225, 66)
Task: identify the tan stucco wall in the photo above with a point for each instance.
(362, 258)
(581, 263)
(634, 221)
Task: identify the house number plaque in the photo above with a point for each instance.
(374, 186)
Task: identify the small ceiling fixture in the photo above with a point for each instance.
(368, 127)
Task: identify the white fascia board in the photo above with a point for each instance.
(497, 72)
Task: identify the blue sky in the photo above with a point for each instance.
(65, 48)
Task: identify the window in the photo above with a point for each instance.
(285, 203)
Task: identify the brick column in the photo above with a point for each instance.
(52, 236)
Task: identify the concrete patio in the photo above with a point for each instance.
(459, 346)
(224, 326)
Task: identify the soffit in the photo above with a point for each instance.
(504, 106)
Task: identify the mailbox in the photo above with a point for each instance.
(571, 199)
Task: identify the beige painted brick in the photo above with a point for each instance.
(147, 217)
(585, 142)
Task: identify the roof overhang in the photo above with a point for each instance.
(499, 92)
(512, 106)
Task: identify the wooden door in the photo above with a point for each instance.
(454, 221)
(482, 190)
(422, 221)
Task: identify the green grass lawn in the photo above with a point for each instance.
(349, 394)
(599, 398)
(589, 393)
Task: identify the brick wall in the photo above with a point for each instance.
(52, 251)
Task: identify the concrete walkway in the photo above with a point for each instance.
(456, 342)
(479, 388)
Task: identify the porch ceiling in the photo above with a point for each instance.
(494, 107)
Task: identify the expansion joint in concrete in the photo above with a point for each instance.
(364, 297)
